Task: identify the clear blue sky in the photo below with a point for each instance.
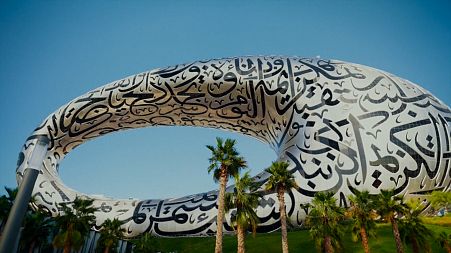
(53, 51)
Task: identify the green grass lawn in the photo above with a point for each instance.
(299, 241)
(435, 220)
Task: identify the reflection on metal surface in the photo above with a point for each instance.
(340, 126)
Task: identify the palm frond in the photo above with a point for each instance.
(224, 157)
(245, 201)
(324, 219)
(280, 177)
(412, 227)
(75, 221)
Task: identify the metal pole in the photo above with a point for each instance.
(19, 208)
(16, 244)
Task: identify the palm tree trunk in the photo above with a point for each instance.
(447, 247)
(220, 217)
(240, 238)
(67, 248)
(68, 239)
(415, 247)
(364, 236)
(283, 218)
(30, 250)
(328, 245)
(107, 247)
(399, 248)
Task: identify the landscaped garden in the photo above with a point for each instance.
(383, 222)
(300, 241)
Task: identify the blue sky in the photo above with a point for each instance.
(54, 51)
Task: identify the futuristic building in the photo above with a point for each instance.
(340, 126)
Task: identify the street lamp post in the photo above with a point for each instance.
(19, 208)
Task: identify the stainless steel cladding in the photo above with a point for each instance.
(339, 125)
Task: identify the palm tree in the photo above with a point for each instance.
(413, 230)
(36, 230)
(245, 200)
(224, 162)
(390, 207)
(363, 214)
(74, 224)
(445, 241)
(6, 203)
(110, 234)
(323, 219)
(36, 225)
(281, 180)
(145, 244)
